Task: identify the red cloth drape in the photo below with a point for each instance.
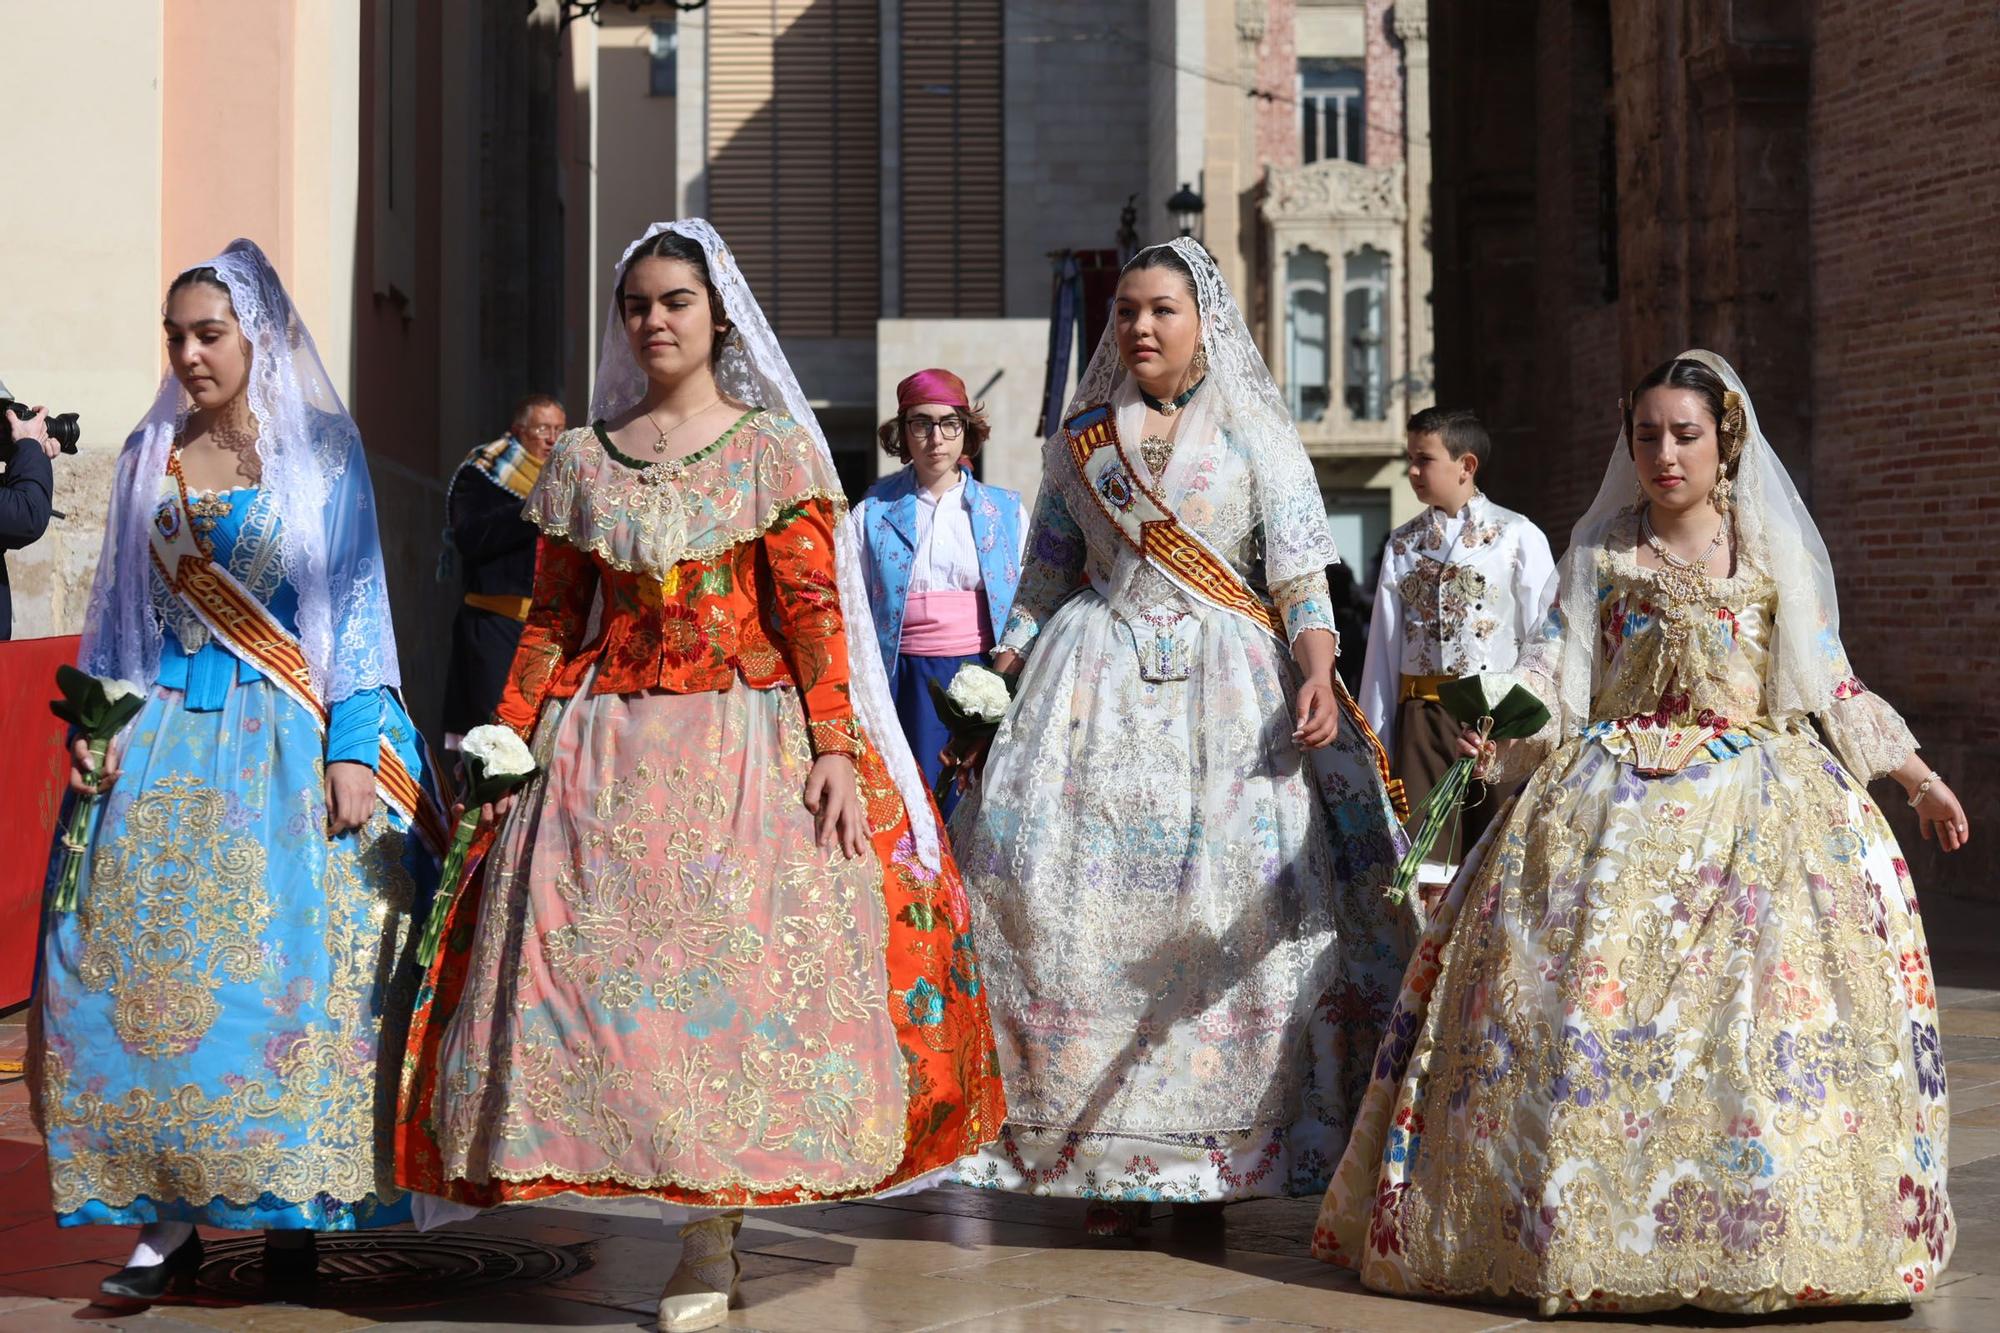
(32, 779)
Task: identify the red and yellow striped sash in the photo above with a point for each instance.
(233, 614)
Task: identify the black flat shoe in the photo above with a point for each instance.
(176, 1272)
(294, 1263)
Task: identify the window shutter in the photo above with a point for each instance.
(953, 205)
(793, 173)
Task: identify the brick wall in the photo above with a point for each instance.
(1385, 86)
(1905, 251)
(1277, 106)
(1809, 191)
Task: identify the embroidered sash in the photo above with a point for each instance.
(1156, 534)
(234, 615)
(1153, 530)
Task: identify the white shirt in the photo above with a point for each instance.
(947, 558)
(1459, 596)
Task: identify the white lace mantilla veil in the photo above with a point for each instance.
(1241, 398)
(753, 370)
(313, 464)
(1774, 533)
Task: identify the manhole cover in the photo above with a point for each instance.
(388, 1268)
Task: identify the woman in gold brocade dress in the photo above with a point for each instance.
(1672, 1038)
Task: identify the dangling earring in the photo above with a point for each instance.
(1719, 497)
(1638, 496)
(1198, 369)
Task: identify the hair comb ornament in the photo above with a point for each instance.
(1735, 424)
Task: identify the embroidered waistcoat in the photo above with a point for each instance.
(891, 530)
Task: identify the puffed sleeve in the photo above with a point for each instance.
(1382, 669)
(558, 615)
(1534, 572)
(810, 628)
(1869, 735)
(1050, 571)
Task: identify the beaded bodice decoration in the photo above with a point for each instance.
(1684, 586)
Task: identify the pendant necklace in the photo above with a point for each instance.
(660, 445)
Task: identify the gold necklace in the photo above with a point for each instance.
(660, 445)
(1683, 584)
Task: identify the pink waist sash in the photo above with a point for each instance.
(945, 623)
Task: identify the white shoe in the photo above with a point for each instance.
(703, 1284)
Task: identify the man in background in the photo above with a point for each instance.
(492, 549)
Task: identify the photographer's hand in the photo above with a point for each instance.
(36, 428)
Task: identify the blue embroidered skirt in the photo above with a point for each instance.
(221, 1021)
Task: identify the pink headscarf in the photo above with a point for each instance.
(932, 386)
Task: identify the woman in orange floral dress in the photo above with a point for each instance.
(720, 956)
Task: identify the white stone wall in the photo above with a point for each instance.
(1077, 106)
(80, 315)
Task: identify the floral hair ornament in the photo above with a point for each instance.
(1734, 426)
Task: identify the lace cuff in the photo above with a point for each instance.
(1020, 632)
(1870, 737)
(840, 735)
(1305, 603)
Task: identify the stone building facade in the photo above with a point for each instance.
(1808, 192)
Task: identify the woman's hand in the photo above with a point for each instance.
(350, 796)
(834, 802)
(82, 769)
(1318, 713)
(1940, 816)
(1006, 661)
(493, 812)
(966, 768)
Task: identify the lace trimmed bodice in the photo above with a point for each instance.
(1684, 672)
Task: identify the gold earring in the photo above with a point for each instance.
(1719, 496)
(1200, 366)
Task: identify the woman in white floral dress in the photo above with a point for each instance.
(1671, 1038)
(1180, 846)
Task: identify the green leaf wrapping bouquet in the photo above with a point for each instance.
(496, 762)
(1502, 709)
(97, 709)
(971, 708)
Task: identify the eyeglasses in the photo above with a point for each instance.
(945, 428)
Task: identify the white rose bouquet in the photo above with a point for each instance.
(971, 708)
(98, 709)
(496, 762)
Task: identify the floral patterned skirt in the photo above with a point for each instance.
(659, 985)
(218, 1028)
(1667, 1041)
(1198, 1166)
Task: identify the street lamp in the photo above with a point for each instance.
(1186, 206)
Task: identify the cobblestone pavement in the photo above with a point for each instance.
(952, 1258)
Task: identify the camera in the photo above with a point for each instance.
(62, 428)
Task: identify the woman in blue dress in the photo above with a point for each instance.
(218, 1020)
